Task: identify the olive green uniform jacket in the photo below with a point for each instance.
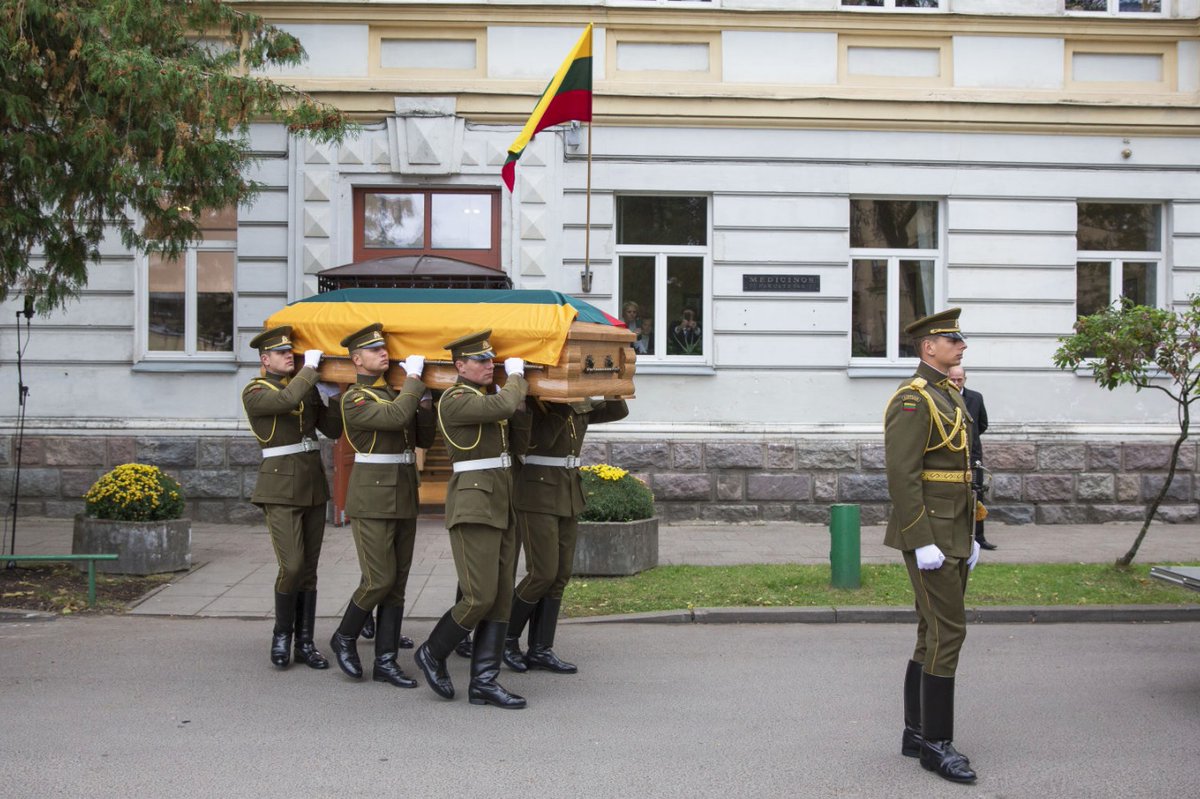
(381, 421)
(475, 426)
(555, 430)
(283, 411)
(926, 431)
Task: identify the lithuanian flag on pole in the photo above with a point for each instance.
(567, 98)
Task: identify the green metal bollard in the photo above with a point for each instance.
(845, 552)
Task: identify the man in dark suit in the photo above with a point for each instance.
(979, 424)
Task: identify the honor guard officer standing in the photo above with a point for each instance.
(480, 519)
(284, 414)
(384, 428)
(548, 496)
(926, 432)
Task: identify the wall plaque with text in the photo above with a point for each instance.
(781, 282)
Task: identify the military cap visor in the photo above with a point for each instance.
(276, 338)
(943, 323)
(368, 338)
(472, 347)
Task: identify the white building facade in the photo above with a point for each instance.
(798, 180)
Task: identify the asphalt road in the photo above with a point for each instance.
(145, 707)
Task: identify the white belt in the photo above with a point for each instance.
(305, 445)
(504, 461)
(569, 462)
(408, 456)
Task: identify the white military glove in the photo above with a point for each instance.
(312, 358)
(414, 365)
(327, 391)
(514, 366)
(971, 561)
(929, 557)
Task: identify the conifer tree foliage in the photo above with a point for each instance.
(130, 116)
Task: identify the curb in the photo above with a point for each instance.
(9, 615)
(1008, 614)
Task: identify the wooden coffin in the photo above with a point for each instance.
(597, 361)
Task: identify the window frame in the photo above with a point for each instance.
(890, 6)
(190, 351)
(490, 258)
(894, 256)
(1118, 258)
(661, 253)
(1114, 10)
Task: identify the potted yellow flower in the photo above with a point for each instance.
(136, 512)
(618, 531)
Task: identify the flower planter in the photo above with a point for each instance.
(609, 549)
(141, 547)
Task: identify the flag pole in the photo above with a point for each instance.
(587, 219)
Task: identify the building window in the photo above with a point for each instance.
(895, 269)
(897, 5)
(189, 300)
(460, 224)
(1120, 255)
(1114, 7)
(663, 263)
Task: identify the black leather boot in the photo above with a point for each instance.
(285, 623)
(541, 638)
(368, 630)
(306, 615)
(344, 642)
(387, 637)
(485, 667)
(464, 648)
(910, 741)
(431, 655)
(937, 727)
(514, 658)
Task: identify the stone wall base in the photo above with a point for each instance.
(1080, 482)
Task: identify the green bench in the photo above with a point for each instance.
(91, 566)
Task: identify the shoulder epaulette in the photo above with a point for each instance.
(919, 383)
(259, 383)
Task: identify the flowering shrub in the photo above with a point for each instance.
(614, 495)
(135, 492)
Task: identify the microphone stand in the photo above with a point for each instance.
(19, 440)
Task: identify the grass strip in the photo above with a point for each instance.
(763, 585)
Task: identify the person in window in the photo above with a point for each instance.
(685, 338)
(631, 315)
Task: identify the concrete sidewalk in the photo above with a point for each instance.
(234, 565)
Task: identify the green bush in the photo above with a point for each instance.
(135, 492)
(614, 495)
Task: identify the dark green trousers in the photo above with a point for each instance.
(385, 552)
(549, 543)
(485, 559)
(942, 622)
(296, 536)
